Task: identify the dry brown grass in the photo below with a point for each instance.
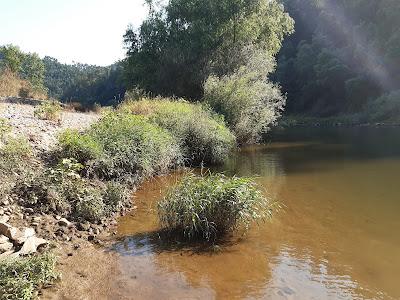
(11, 85)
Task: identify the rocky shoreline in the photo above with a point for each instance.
(24, 231)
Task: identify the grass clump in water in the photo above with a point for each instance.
(20, 278)
(208, 207)
(201, 133)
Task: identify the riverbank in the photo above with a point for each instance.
(337, 121)
(337, 189)
(66, 176)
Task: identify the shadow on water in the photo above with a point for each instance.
(160, 241)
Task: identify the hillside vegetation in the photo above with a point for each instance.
(343, 59)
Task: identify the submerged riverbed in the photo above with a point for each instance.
(336, 237)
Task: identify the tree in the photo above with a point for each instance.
(181, 44)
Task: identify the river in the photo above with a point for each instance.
(337, 235)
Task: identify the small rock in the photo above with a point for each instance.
(29, 210)
(36, 219)
(64, 222)
(7, 246)
(58, 217)
(83, 226)
(91, 237)
(4, 219)
(3, 239)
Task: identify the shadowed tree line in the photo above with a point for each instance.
(343, 58)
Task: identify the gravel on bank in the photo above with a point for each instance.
(42, 134)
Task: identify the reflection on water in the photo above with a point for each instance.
(337, 237)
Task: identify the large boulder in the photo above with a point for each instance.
(31, 245)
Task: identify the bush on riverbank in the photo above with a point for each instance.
(15, 161)
(20, 278)
(208, 207)
(202, 134)
(122, 145)
(250, 103)
(63, 191)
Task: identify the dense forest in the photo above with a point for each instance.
(343, 58)
(328, 57)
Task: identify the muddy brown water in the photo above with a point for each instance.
(337, 237)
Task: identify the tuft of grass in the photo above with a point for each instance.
(20, 278)
(208, 207)
(49, 111)
(15, 161)
(4, 127)
(15, 148)
(122, 145)
(82, 147)
(202, 134)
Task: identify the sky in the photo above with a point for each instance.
(84, 31)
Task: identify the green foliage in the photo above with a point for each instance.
(116, 196)
(28, 66)
(15, 161)
(122, 145)
(385, 108)
(343, 55)
(86, 84)
(15, 148)
(48, 111)
(210, 206)
(174, 50)
(61, 190)
(249, 103)
(20, 278)
(82, 147)
(4, 127)
(132, 146)
(202, 135)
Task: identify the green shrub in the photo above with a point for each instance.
(121, 145)
(202, 134)
(48, 111)
(385, 108)
(248, 101)
(4, 127)
(81, 147)
(91, 207)
(208, 207)
(116, 196)
(15, 153)
(132, 146)
(15, 161)
(20, 278)
(16, 147)
(61, 190)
